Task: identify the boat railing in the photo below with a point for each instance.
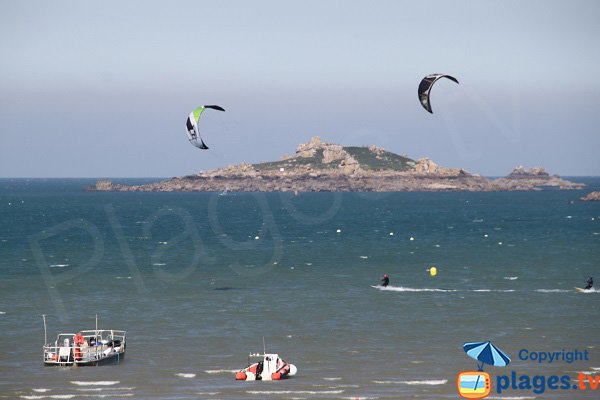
(104, 334)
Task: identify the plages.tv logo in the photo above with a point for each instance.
(478, 384)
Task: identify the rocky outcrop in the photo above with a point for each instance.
(593, 196)
(521, 172)
(333, 153)
(350, 166)
(425, 166)
(309, 149)
(328, 181)
(533, 179)
(320, 166)
(329, 153)
(104, 185)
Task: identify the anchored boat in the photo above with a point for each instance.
(85, 348)
(269, 368)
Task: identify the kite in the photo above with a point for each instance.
(425, 88)
(192, 123)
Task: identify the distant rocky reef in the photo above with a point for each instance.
(319, 166)
(535, 178)
(593, 196)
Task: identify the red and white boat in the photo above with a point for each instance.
(269, 368)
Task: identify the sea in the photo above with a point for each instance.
(201, 280)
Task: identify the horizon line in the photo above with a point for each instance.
(181, 176)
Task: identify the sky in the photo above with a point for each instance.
(103, 88)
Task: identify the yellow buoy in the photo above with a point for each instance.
(433, 271)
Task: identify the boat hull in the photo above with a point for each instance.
(112, 359)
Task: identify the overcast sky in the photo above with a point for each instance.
(103, 88)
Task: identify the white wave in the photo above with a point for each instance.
(58, 265)
(430, 382)
(333, 379)
(41, 390)
(184, 375)
(493, 290)
(122, 277)
(359, 398)
(406, 289)
(553, 291)
(221, 371)
(511, 278)
(585, 372)
(159, 264)
(95, 383)
(294, 391)
(2, 312)
(100, 389)
(208, 393)
(592, 290)
(72, 396)
(364, 257)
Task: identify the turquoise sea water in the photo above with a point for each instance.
(198, 279)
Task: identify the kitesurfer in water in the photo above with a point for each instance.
(590, 283)
(385, 281)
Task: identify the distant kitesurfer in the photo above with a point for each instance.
(590, 283)
(385, 281)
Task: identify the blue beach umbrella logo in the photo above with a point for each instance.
(486, 353)
(477, 384)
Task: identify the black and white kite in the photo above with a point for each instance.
(425, 88)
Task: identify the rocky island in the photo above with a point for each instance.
(319, 166)
(593, 196)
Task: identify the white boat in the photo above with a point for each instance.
(270, 367)
(85, 348)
